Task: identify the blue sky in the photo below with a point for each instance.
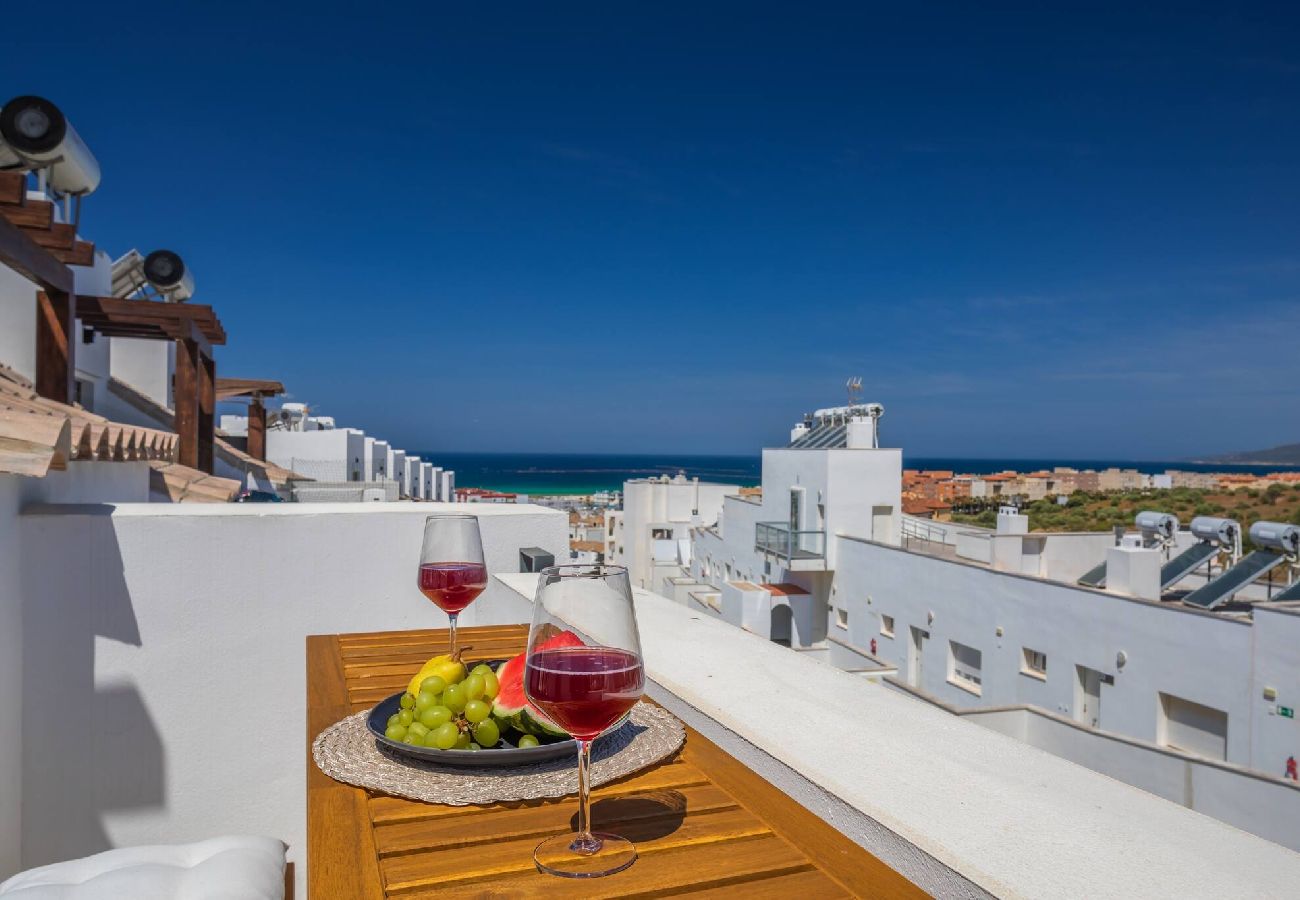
(675, 227)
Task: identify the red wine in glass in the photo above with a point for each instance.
(452, 570)
(452, 586)
(584, 690)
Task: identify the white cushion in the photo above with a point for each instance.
(224, 868)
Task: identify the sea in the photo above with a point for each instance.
(552, 474)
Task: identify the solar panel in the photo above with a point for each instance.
(1291, 593)
(834, 438)
(810, 438)
(1185, 563)
(1095, 577)
(1243, 573)
(822, 437)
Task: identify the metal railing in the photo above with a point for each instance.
(924, 531)
(779, 539)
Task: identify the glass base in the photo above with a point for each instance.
(569, 857)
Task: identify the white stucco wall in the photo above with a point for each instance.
(380, 454)
(1277, 664)
(412, 476)
(1200, 657)
(11, 682)
(146, 365)
(324, 455)
(367, 458)
(650, 504)
(92, 481)
(397, 470)
(178, 632)
(1268, 807)
(849, 485)
(18, 323)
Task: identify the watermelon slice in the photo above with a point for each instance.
(513, 707)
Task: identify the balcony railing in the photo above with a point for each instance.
(779, 539)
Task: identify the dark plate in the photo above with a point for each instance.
(501, 755)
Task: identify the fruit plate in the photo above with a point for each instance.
(501, 755)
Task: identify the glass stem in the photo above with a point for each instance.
(584, 842)
(451, 618)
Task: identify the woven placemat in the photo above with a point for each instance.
(348, 752)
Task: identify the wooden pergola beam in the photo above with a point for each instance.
(257, 429)
(196, 404)
(187, 403)
(22, 254)
(233, 388)
(40, 250)
(13, 188)
(207, 410)
(114, 316)
(55, 346)
(255, 390)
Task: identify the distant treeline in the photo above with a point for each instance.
(1102, 511)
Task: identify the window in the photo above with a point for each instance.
(661, 534)
(964, 667)
(842, 618)
(1192, 728)
(1034, 664)
(887, 625)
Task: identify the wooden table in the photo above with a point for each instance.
(702, 822)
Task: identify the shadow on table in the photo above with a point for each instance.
(638, 817)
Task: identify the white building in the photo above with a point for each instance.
(1129, 680)
(380, 461)
(335, 454)
(653, 528)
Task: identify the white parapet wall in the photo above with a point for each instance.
(982, 808)
(163, 666)
(1268, 807)
(11, 670)
(107, 481)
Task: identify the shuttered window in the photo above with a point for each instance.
(964, 667)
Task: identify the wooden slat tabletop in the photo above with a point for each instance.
(703, 823)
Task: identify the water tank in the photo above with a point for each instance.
(1161, 524)
(1215, 530)
(166, 271)
(293, 414)
(1276, 536)
(35, 134)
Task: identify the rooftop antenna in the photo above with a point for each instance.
(854, 387)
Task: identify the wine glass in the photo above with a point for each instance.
(452, 572)
(584, 687)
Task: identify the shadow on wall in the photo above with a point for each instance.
(87, 751)
(782, 627)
